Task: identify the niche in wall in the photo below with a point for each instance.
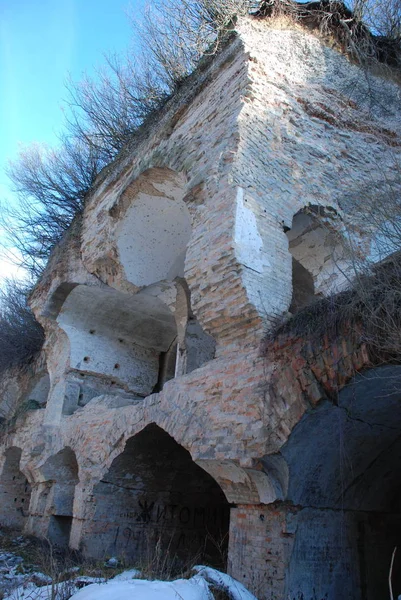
(117, 338)
(61, 473)
(153, 227)
(15, 491)
(318, 255)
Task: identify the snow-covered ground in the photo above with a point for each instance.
(18, 582)
(21, 582)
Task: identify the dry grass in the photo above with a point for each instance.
(333, 22)
(371, 309)
(66, 567)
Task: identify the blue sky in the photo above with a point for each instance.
(41, 43)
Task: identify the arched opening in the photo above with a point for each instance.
(61, 474)
(116, 343)
(154, 227)
(15, 491)
(199, 346)
(128, 345)
(167, 366)
(345, 466)
(155, 497)
(317, 251)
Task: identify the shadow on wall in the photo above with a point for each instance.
(155, 498)
(345, 480)
(14, 402)
(37, 397)
(15, 491)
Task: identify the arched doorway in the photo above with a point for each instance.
(345, 489)
(15, 491)
(61, 474)
(155, 497)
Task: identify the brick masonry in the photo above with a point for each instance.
(276, 122)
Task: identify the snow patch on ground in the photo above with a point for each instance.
(127, 575)
(18, 582)
(60, 591)
(195, 588)
(222, 581)
(10, 574)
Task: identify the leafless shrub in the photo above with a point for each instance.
(160, 560)
(383, 17)
(196, 28)
(21, 336)
(104, 112)
(173, 35)
(57, 572)
(367, 30)
(51, 186)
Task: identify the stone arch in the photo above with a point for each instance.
(15, 491)
(153, 227)
(318, 255)
(154, 494)
(241, 485)
(344, 478)
(60, 473)
(57, 299)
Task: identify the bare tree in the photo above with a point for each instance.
(21, 336)
(383, 17)
(173, 35)
(51, 186)
(195, 27)
(104, 112)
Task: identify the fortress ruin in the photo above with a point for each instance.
(160, 413)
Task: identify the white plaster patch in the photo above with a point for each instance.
(152, 239)
(248, 241)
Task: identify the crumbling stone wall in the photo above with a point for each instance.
(155, 305)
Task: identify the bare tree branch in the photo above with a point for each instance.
(21, 336)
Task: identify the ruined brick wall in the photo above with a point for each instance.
(155, 306)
